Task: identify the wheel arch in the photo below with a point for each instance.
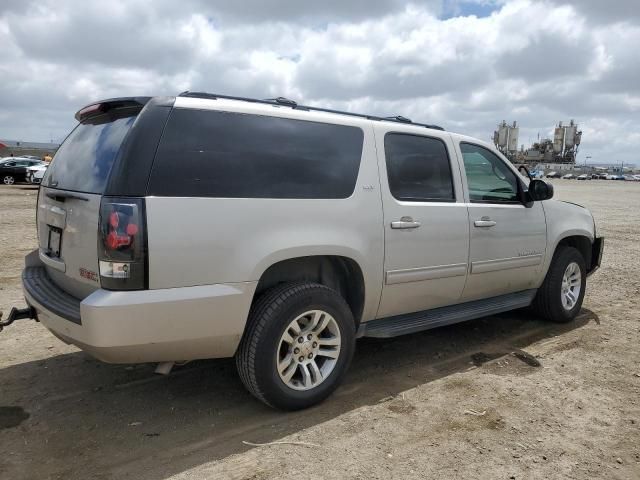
(342, 274)
(581, 243)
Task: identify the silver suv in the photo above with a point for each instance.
(205, 226)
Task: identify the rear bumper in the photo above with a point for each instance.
(144, 326)
(597, 249)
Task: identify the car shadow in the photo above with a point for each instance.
(77, 415)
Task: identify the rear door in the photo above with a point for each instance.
(69, 200)
(425, 221)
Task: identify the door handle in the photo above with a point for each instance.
(405, 222)
(484, 222)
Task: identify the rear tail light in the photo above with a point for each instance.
(122, 244)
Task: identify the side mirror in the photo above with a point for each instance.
(540, 190)
(524, 171)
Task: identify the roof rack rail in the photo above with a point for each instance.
(294, 105)
(399, 118)
(282, 101)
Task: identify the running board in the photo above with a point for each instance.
(438, 317)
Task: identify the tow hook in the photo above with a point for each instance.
(18, 314)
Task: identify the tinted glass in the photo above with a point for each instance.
(488, 177)
(418, 168)
(220, 154)
(83, 161)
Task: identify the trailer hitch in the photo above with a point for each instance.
(18, 314)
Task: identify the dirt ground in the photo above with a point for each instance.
(505, 397)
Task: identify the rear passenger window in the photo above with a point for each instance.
(418, 168)
(220, 154)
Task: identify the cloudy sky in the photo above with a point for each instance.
(464, 64)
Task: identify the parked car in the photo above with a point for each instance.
(222, 227)
(553, 175)
(584, 176)
(636, 178)
(34, 174)
(14, 169)
(568, 176)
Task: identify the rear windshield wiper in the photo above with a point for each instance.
(62, 196)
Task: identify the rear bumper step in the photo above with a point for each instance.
(41, 288)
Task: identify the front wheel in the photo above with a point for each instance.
(8, 180)
(559, 299)
(298, 343)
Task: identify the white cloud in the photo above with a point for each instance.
(532, 61)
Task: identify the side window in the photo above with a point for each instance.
(221, 154)
(488, 177)
(418, 168)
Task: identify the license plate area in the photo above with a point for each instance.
(54, 242)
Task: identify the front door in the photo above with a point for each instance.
(425, 222)
(508, 239)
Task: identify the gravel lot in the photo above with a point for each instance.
(499, 398)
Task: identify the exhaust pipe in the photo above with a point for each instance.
(164, 368)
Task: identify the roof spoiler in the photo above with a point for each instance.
(103, 106)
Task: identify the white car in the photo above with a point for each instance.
(34, 174)
(568, 176)
(277, 234)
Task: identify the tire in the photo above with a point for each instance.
(265, 345)
(8, 180)
(550, 300)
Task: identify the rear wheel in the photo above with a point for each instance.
(298, 344)
(559, 299)
(8, 180)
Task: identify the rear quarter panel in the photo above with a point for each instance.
(204, 241)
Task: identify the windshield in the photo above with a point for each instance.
(84, 160)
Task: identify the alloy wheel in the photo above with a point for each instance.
(308, 350)
(571, 285)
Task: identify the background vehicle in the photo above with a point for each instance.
(14, 170)
(568, 176)
(553, 175)
(584, 176)
(286, 235)
(34, 174)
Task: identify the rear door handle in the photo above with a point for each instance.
(484, 222)
(405, 222)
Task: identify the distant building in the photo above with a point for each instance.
(18, 148)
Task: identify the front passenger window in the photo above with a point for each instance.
(488, 177)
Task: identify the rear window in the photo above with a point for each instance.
(220, 154)
(84, 160)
